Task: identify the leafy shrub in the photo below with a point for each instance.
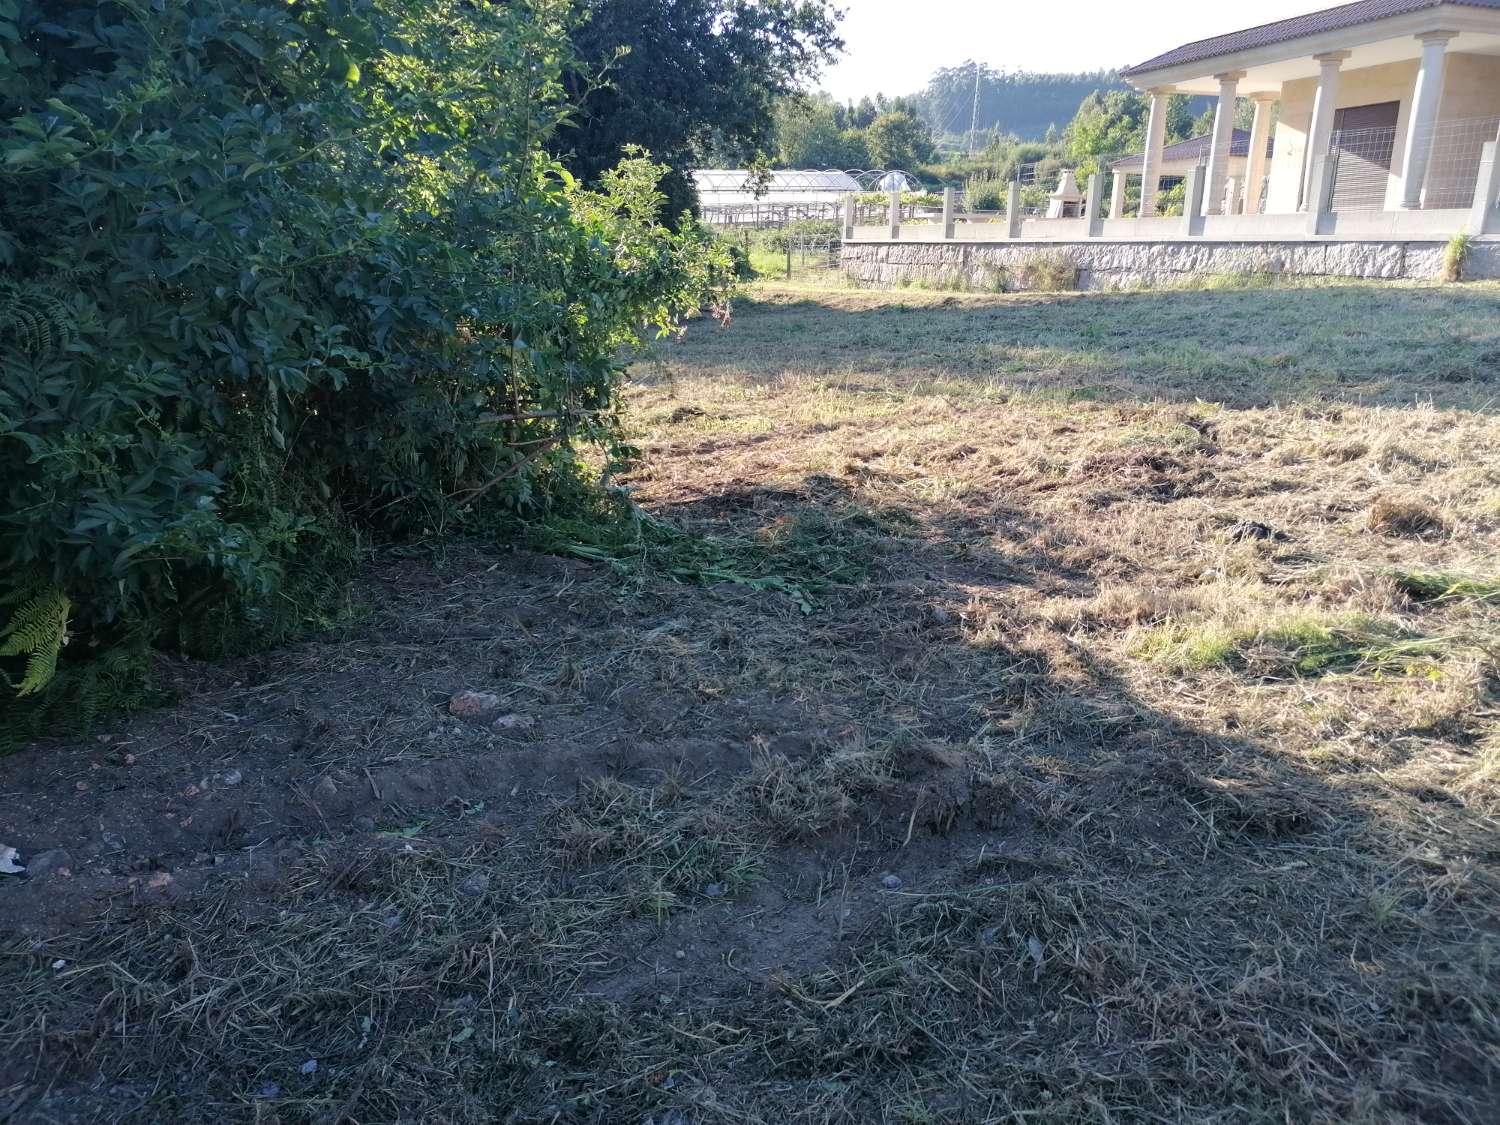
(279, 277)
(986, 193)
(811, 233)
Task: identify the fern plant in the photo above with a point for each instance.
(37, 630)
(33, 318)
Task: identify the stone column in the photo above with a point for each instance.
(1092, 198)
(1319, 192)
(1156, 136)
(1192, 205)
(1486, 187)
(848, 216)
(1321, 128)
(1422, 121)
(1117, 195)
(1223, 141)
(1255, 162)
(948, 223)
(1013, 214)
(895, 215)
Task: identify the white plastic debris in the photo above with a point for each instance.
(8, 864)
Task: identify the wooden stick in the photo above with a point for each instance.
(476, 493)
(497, 419)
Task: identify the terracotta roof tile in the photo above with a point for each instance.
(1283, 31)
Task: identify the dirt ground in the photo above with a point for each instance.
(1066, 709)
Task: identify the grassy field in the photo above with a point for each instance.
(998, 709)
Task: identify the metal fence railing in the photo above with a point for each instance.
(1363, 161)
(1453, 167)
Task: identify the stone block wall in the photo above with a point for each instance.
(1114, 265)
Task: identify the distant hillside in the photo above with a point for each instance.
(1009, 102)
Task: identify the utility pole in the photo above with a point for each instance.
(974, 110)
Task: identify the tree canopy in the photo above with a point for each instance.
(688, 79)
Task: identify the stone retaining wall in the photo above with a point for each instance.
(1112, 265)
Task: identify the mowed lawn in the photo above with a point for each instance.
(1068, 709)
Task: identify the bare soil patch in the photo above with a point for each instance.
(1015, 709)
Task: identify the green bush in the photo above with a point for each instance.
(986, 192)
(281, 276)
(1455, 256)
(811, 233)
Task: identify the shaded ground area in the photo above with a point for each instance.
(1099, 732)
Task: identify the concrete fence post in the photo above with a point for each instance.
(1013, 210)
(1092, 198)
(848, 216)
(1486, 189)
(948, 221)
(895, 215)
(1192, 204)
(1117, 195)
(1319, 191)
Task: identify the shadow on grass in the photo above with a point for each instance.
(1099, 913)
(1373, 343)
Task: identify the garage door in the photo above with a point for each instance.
(1364, 139)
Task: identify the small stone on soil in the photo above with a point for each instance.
(113, 841)
(516, 722)
(890, 882)
(9, 864)
(309, 1067)
(715, 890)
(326, 789)
(1254, 529)
(475, 885)
(55, 861)
(231, 777)
(473, 705)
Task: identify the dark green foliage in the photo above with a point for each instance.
(282, 276)
(688, 79)
(810, 233)
(899, 139)
(817, 132)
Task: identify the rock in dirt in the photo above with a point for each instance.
(473, 706)
(890, 882)
(475, 885)
(54, 861)
(231, 777)
(1254, 529)
(515, 722)
(326, 789)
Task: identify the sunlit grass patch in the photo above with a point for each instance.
(1438, 586)
(1296, 645)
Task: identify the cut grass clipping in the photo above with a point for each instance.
(1297, 646)
(796, 555)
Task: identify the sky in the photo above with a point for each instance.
(893, 47)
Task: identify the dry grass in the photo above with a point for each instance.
(1135, 763)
